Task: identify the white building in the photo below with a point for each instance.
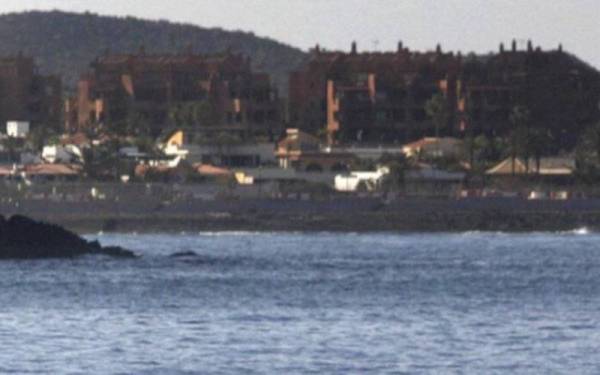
(249, 155)
(62, 154)
(351, 182)
(17, 129)
(369, 153)
(234, 155)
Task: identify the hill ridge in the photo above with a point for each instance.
(65, 43)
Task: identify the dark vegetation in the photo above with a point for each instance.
(66, 43)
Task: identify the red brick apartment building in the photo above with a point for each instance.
(150, 86)
(26, 95)
(381, 96)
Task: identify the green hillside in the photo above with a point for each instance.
(66, 43)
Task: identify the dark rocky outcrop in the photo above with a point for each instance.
(24, 238)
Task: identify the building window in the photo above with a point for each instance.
(419, 115)
(314, 167)
(259, 117)
(398, 115)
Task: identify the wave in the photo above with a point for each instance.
(577, 231)
(230, 233)
(484, 233)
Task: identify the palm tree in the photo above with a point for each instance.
(481, 149)
(518, 137)
(398, 165)
(538, 141)
(224, 141)
(192, 114)
(588, 152)
(469, 140)
(437, 110)
(11, 145)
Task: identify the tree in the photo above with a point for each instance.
(538, 142)
(587, 153)
(398, 165)
(518, 137)
(144, 143)
(469, 140)
(136, 124)
(11, 145)
(478, 149)
(203, 113)
(192, 114)
(102, 162)
(224, 141)
(38, 137)
(437, 110)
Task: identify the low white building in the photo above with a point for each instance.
(352, 181)
(430, 181)
(244, 155)
(232, 155)
(17, 129)
(62, 154)
(373, 153)
(249, 176)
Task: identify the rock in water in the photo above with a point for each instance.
(24, 238)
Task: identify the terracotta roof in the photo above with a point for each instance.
(429, 141)
(142, 169)
(51, 169)
(5, 170)
(211, 170)
(552, 166)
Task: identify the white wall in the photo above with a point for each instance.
(350, 182)
(17, 129)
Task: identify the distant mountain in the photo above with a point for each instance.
(66, 43)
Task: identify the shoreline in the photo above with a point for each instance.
(350, 215)
(357, 223)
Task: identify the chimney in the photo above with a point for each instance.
(400, 46)
(438, 49)
(529, 46)
(354, 47)
(514, 45)
(501, 47)
(560, 47)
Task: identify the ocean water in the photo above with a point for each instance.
(294, 303)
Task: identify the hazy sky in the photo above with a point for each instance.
(469, 25)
